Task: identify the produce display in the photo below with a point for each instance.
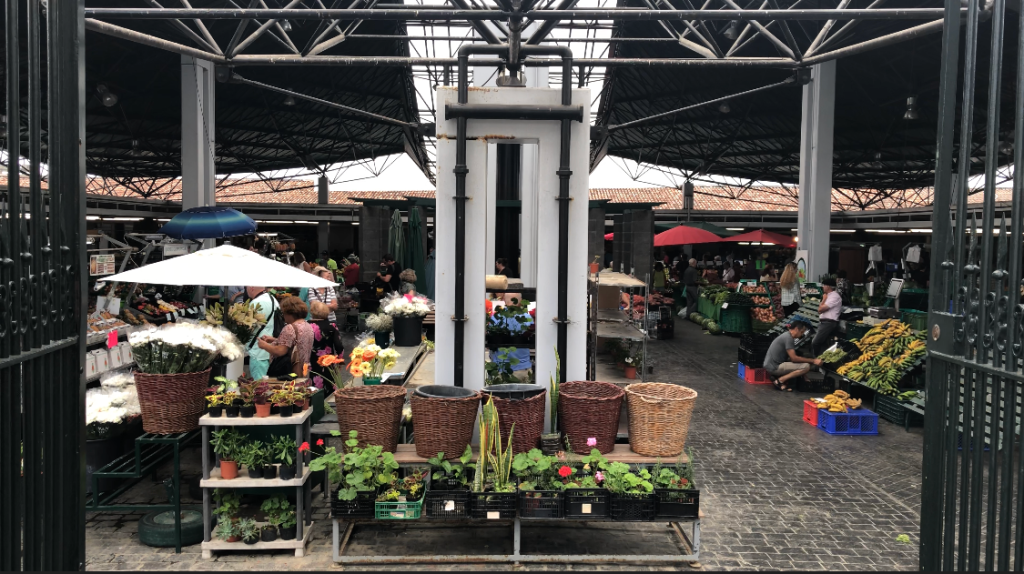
(750, 288)
(133, 319)
(706, 323)
(888, 349)
(838, 402)
(833, 356)
(762, 314)
(242, 319)
(761, 300)
(105, 322)
(907, 395)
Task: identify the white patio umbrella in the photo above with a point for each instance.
(224, 265)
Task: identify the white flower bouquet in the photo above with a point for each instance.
(109, 408)
(241, 319)
(182, 348)
(407, 305)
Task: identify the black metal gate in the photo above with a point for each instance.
(972, 499)
(42, 296)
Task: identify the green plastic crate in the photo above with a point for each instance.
(854, 331)
(399, 510)
(735, 319)
(917, 320)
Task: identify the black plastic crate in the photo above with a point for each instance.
(675, 503)
(632, 508)
(891, 409)
(450, 504)
(493, 505)
(586, 503)
(752, 358)
(360, 507)
(819, 384)
(541, 504)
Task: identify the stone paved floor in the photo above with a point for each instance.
(777, 494)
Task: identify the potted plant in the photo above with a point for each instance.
(360, 472)
(616, 349)
(369, 362)
(251, 457)
(402, 499)
(227, 530)
(284, 453)
(499, 371)
(276, 508)
(215, 403)
(228, 505)
(227, 444)
(407, 312)
(551, 442)
(282, 399)
(631, 493)
(249, 530)
(494, 492)
(674, 486)
(267, 458)
(249, 392)
(449, 475)
(540, 484)
(381, 325)
(634, 360)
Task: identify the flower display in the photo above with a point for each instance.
(591, 442)
(599, 476)
(304, 447)
(371, 361)
(407, 305)
(110, 406)
(243, 320)
(564, 472)
(319, 442)
(183, 347)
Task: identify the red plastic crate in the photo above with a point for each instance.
(756, 376)
(811, 413)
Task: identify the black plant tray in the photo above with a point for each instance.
(361, 507)
(541, 504)
(586, 503)
(446, 504)
(493, 505)
(633, 508)
(674, 503)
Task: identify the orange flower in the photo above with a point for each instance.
(327, 360)
(368, 355)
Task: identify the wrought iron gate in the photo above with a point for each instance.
(42, 296)
(972, 498)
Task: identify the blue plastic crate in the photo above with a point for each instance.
(858, 422)
(742, 370)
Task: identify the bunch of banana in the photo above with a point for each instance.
(906, 396)
(838, 402)
(833, 356)
(887, 330)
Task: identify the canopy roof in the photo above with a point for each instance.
(684, 235)
(762, 236)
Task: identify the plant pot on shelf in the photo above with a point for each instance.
(630, 372)
(255, 471)
(268, 534)
(269, 472)
(263, 410)
(235, 538)
(216, 411)
(408, 331)
(299, 406)
(171, 403)
(251, 542)
(285, 410)
(445, 417)
(228, 469)
(286, 472)
(382, 338)
(593, 268)
(247, 412)
(374, 412)
(288, 532)
(232, 411)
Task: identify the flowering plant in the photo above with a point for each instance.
(380, 323)
(332, 372)
(357, 469)
(241, 319)
(370, 361)
(111, 405)
(182, 348)
(407, 305)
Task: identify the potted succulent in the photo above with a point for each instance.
(249, 530)
(227, 530)
(381, 325)
(228, 505)
(227, 444)
(494, 492)
(551, 442)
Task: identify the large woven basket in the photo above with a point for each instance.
(374, 412)
(527, 415)
(590, 409)
(172, 403)
(659, 417)
(443, 424)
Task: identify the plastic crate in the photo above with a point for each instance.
(891, 409)
(741, 368)
(811, 413)
(493, 505)
(399, 510)
(917, 320)
(854, 331)
(824, 385)
(541, 504)
(362, 506)
(585, 503)
(446, 504)
(735, 319)
(756, 376)
(674, 503)
(632, 508)
(858, 422)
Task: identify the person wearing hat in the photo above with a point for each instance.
(326, 261)
(781, 361)
(828, 313)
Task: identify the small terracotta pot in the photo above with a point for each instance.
(235, 538)
(593, 268)
(263, 410)
(228, 469)
(630, 372)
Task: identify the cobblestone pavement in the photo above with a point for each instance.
(777, 494)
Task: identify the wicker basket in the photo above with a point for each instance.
(527, 415)
(375, 412)
(443, 425)
(172, 403)
(659, 418)
(590, 409)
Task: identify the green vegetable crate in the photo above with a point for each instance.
(399, 510)
(736, 319)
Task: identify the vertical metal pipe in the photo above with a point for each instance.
(35, 69)
(13, 110)
(1016, 215)
(966, 130)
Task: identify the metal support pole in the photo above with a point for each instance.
(323, 228)
(197, 134)
(815, 201)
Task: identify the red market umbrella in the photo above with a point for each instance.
(684, 235)
(762, 236)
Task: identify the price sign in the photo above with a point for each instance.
(112, 339)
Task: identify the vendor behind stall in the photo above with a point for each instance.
(828, 311)
(782, 362)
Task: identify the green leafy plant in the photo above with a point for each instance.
(228, 504)
(358, 469)
(253, 454)
(249, 529)
(499, 371)
(504, 315)
(620, 479)
(553, 392)
(284, 449)
(676, 477)
(455, 470)
(227, 444)
(253, 392)
(492, 455)
(411, 487)
(225, 529)
(534, 469)
(278, 510)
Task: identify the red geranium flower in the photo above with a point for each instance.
(564, 472)
(319, 442)
(304, 447)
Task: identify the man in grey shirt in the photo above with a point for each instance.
(782, 362)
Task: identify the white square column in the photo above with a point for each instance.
(815, 199)
(197, 133)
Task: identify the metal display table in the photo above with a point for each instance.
(151, 450)
(688, 537)
(303, 498)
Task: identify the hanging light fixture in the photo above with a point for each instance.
(724, 107)
(911, 113)
(135, 148)
(286, 25)
(733, 30)
(108, 98)
(290, 100)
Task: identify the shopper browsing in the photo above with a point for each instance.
(791, 298)
(295, 340)
(828, 313)
(782, 362)
(259, 359)
(690, 279)
(325, 295)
